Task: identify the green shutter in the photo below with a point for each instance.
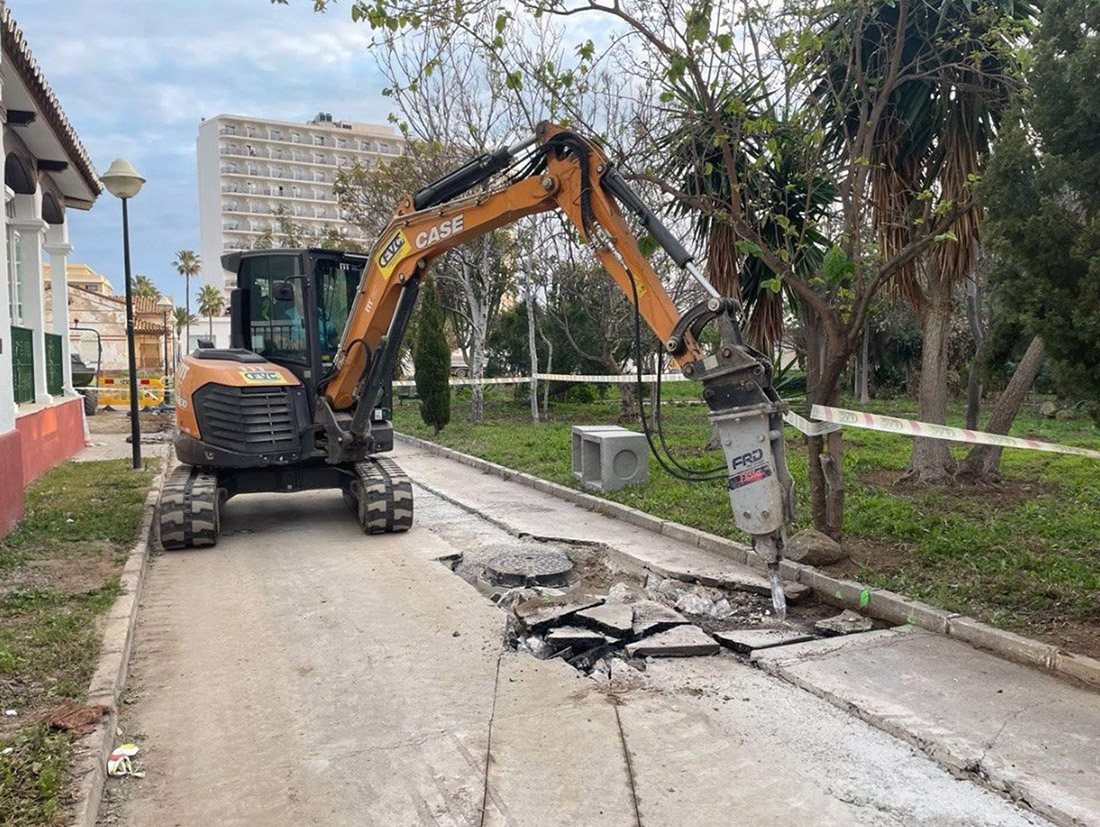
(55, 370)
(22, 363)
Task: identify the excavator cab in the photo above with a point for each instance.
(291, 306)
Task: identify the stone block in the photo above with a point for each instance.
(894, 608)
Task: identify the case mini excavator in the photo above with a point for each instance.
(301, 399)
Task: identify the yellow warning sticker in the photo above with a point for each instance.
(391, 254)
(263, 377)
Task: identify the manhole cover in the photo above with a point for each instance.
(529, 567)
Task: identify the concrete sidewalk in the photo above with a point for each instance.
(1031, 735)
(303, 673)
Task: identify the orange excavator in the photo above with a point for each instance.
(301, 400)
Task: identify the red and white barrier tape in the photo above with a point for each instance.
(557, 377)
(911, 427)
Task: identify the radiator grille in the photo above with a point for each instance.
(247, 420)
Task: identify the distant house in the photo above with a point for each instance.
(97, 320)
(46, 173)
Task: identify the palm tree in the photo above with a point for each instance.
(182, 318)
(785, 203)
(187, 264)
(211, 304)
(143, 286)
(932, 141)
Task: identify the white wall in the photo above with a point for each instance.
(210, 208)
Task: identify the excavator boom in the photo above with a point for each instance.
(574, 177)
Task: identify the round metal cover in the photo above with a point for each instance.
(529, 567)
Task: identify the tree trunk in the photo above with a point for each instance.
(931, 460)
(977, 333)
(983, 461)
(864, 369)
(549, 369)
(826, 453)
(532, 348)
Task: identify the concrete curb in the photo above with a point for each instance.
(877, 603)
(90, 753)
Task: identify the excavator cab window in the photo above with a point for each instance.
(336, 280)
(277, 329)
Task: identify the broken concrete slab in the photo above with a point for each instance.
(1033, 736)
(749, 640)
(540, 612)
(575, 636)
(615, 619)
(678, 642)
(845, 623)
(651, 616)
(731, 576)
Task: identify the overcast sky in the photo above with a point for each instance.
(136, 77)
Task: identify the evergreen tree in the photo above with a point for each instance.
(433, 361)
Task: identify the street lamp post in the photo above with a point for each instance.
(124, 182)
(165, 305)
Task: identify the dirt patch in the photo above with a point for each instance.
(1004, 493)
(74, 717)
(1078, 635)
(118, 422)
(70, 574)
(885, 558)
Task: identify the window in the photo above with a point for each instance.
(296, 191)
(275, 135)
(342, 143)
(251, 151)
(253, 169)
(231, 206)
(337, 283)
(364, 146)
(250, 131)
(277, 329)
(299, 209)
(296, 137)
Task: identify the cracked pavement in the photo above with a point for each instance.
(303, 673)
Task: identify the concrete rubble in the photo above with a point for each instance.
(845, 623)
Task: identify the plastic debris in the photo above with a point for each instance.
(11, 713)
(119, 763)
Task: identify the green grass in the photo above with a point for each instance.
(1023, 555)
(58, 572)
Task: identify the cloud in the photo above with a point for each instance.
(137, 77)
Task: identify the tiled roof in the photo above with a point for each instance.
(16, 47)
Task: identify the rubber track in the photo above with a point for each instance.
(188, 512)
(384, 495)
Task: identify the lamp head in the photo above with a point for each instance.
(122, 180)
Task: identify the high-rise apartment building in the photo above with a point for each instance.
(252, 171)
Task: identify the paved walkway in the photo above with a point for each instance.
(1031, 734)
(303, 673)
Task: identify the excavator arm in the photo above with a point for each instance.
(571, 174)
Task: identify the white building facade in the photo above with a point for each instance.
(256, 175)
(47, 172)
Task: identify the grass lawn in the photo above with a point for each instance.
(1024, 554)
(59, 570)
